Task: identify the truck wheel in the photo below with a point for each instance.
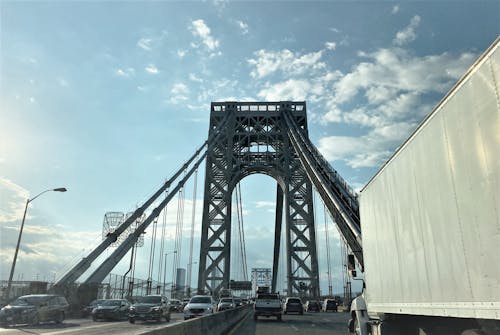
(131, 320)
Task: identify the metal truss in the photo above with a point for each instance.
(255, 140)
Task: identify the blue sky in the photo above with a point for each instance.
(108, 99)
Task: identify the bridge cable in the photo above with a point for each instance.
(328, 260)
(178, 238)
(242, 237)
(162, 243)
(152, 255)
(193, 218)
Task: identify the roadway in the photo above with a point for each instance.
(309, 323)
(89, 327)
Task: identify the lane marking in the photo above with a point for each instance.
(295, 328)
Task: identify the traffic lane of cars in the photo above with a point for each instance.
(87, 326)
(309, 323)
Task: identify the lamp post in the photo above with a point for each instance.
(9, 285)
(165, 269)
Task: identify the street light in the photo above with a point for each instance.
(165, 269)
(60, 189)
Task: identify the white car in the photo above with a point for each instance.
(225, 304)
(199, 305)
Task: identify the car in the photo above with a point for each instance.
(293, 305)
(111, 309)
(237, 302)
(225, 304)
(175, 305)
(87, 310)
(150, 307)
(35, 308)
(330, 305)
(199, 305)
(312, 306)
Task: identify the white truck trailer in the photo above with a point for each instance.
(430, 220)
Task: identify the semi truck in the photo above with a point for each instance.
(430, 220)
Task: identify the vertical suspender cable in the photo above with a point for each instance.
(193, 217)
(328, 261)
(178, 238)
(152, 255)
(162, 245)
(242, 236)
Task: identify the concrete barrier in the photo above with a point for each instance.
(215, 324)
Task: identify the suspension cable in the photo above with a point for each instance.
(162, 244)
(242, 234)
(193, 217)
(328, 261)
(178, 237)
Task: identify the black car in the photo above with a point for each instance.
(312, 306)
(111, 309)
(33, 309)
(87, 310)
(293, 305)
(150, 307)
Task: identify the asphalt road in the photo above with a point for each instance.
(89, 327)
(309, 323)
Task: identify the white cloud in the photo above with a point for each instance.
(179, 93)
(201, 30)
(152, 69)
(395, 9)
(269, 62)
(263, 204)
(145, 43)
(388, 71)
(291, 89)
(243, 26)
(408, 34)
(13, 200)
(181, 53)
(128, 72)
(194, 78)
(331, 45)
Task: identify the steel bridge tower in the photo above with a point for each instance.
(255, 139)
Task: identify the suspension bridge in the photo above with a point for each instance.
(244, 138)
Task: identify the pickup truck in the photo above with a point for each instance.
(267, 304)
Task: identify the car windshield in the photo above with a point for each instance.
(148, 300)
(331, 303)
(201, 300)
(294, 301)
(226, 300)
(267, 296)
(96, 302)
(111, 303)
(28, 301)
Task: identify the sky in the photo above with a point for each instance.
(108, 99)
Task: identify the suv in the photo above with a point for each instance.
(293, 305)
(330, 305)
(225, 304)
(199, 305)
(33, 309)
(150, 307)
(312, 306)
